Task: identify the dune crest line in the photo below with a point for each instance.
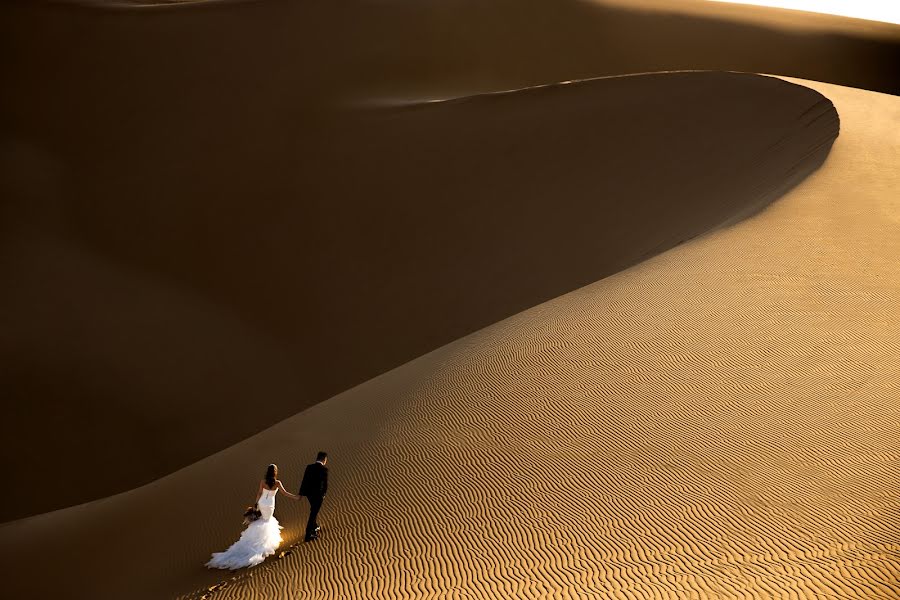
(289, 265)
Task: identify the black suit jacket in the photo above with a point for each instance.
(315, 481)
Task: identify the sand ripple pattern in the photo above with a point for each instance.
(718, 422)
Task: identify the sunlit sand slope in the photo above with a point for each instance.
(153, 296)
(717, 422)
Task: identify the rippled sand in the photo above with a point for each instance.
(717, 422)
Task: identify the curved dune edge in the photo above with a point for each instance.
(283, 275)
(720, 420)
(217, 331)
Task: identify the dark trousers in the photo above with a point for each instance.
(315, 505)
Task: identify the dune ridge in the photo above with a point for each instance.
(716, 422)
(99, 195)
(279, 272)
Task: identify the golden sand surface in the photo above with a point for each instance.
(720, 421)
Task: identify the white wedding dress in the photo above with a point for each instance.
(260, 539)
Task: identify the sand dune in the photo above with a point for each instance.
(227, 279)
(188, 168)
(719, 421)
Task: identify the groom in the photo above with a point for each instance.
(314, 487)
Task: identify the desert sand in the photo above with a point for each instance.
(217, 215)
(719, 421)
(217, 218)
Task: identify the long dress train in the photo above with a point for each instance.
(260, 539)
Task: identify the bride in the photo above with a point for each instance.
(262, 536)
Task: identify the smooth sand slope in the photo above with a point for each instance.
(717, 422)
(205, 212)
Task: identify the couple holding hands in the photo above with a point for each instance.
(263, 533)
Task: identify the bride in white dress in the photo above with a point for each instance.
(261, 537)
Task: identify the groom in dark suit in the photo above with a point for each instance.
(314, 487)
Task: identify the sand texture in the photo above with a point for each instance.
(719, 421)
(227, 271)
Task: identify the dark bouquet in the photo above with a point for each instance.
(251, 514)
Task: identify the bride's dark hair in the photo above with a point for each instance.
(270, 476)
